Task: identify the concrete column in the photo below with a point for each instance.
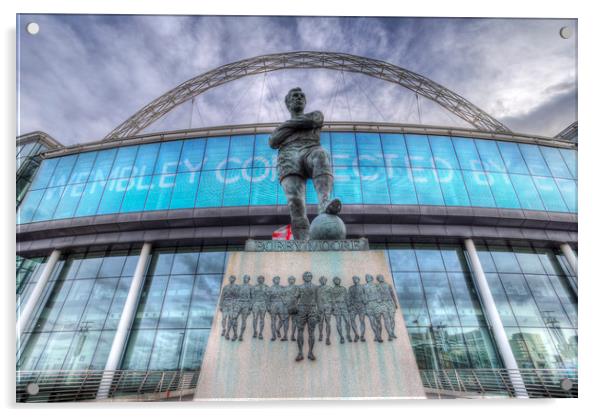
(495, 321)
(34, 298)
(568, 253)
(125, 322)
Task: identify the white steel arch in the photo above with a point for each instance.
(427, 88)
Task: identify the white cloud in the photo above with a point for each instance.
(83, 75)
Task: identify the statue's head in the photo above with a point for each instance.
(337, 281)
(356, 279)
(323, 280)
(369, 278)
(276, 280)
(380, 278)
(295, 100)
(232, 279)
(246, 279)
(260, 279)
(307, 276)
(291, 280)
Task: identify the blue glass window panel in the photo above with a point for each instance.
(237, 188)
(552, 200)
(394, 150)
(102, 165)
(369, 149)
(211, 189)
(113, 195)
(402, 258)
(478, 189)
(124, 161)
(347, 184)
(193, 152)
(568, 189)
(216, 153)
(522, 302)
(69, 200)
(264, 187)
(504, 259)
(311, 197)
(135, 196)
(204, 298)
(48, 204)
(241, 151)
(490, 155)
(453, 188)
(90, 199)
(503, 191)
(169, 157)
(145, 160)
(184, 192)
(526, 192)
(401, 185)
(467, 154)
(439, 299)
(411, 298)
(513, 159)
(443, 152)
(62, 172)
(83, 167)
(429, 258)
(193, 350)
(344, 152)
(44, 174)
(374, 186)
(570, 158)
(419, 150)
(535, 162)
(160, 191)
(427, 187)
(264, 156)
(555, 162)
(29, 205)
(325, 141)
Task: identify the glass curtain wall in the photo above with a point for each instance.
(77, 318)
(27, 274)
(441, 308)
(27, 165)
(176, 309)
(537, 304)
(369, 168)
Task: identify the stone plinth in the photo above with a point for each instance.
(262, 369)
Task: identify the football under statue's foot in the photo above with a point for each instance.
(299, 357)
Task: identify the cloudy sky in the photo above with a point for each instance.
(82, 75)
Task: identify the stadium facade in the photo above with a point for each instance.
(480, 229)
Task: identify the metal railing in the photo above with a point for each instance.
(539, 383)
(78, 385)
(82, 385)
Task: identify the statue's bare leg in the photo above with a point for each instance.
(273, 325)
(243, 324)
(354, 327)
(300, 328)
(261, 323)
(294, 188)
(327, 319)
(339, 329)
(320, 326)
(224, 323)
(347, 325)
(293, 329)
(255, 318)
(362, 317)
(311, 328)
(323, 185)
(233, 324)
(285, 327)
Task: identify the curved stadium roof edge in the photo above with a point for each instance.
(255, 128)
